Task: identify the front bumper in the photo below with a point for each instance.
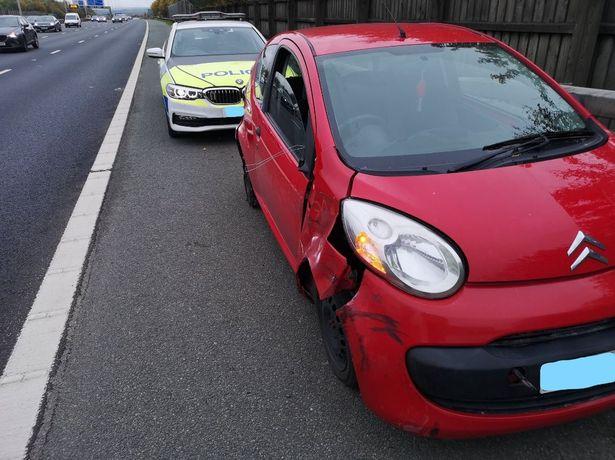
(443, 367)
(11, 43)
(201, 116)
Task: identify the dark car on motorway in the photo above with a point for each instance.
(45, 23)
(17, 33)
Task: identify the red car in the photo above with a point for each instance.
(451, 212)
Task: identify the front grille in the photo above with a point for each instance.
(223, 95)
(529, 338)
(197, 122)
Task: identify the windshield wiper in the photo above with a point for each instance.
(513, 148)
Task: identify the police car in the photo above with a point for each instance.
(204, 66)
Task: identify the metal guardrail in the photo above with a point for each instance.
(600, 102)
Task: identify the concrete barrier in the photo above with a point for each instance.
(600, 102)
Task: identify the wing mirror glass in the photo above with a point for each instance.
(155, 53)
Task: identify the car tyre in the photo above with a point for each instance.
(35, 43)
(24, 46)
(247, 185)
(334, 340)
(172, 132)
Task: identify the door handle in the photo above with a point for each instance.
(258, 131)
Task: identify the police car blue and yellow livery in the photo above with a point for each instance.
(204, 67)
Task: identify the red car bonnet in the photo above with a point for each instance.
(514, 223)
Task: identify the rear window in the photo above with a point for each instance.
(421, 106)
(216, 41)
(72, 16)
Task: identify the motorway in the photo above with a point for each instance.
(189, 338)
(55, 106)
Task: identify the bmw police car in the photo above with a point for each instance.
(205, 64)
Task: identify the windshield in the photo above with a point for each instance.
(216, 41)
(408, 107)
(9, 22)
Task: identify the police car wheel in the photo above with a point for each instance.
(172, 132)
(35, 44)
(24, 46)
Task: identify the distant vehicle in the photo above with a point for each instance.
(17, 33)
(102, 18)
(119, 18)
(72, 20)
(207, 62)
(45, 23)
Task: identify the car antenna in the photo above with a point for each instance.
(402, 32)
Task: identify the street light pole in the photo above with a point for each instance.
(19, 7)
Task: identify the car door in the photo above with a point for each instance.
(285, 148)
(252, 119)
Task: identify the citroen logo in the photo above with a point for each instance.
(586, 252)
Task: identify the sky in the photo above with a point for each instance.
(128, 3)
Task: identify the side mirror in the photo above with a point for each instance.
(156, 53)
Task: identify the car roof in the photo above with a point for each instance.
(354, 37)
(211, 23)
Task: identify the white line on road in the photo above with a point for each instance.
(45, 36)
(80, 41)
(55, 52)
(24, 382)
(95, 36)
(5, 71)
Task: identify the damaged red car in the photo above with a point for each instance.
(449, 208)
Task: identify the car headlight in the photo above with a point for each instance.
(407, 253)
(183, 92)
(12, 35)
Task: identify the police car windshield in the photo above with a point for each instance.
(423, 106)
(216, 41)
(9, 22)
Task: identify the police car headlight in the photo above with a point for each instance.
(407, 253)
(183, 92)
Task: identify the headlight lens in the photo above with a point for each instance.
(404, 251)
(183, 92)
(12, 35)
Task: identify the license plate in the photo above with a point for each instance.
(578, 374)
(233, 111)
(2, 43)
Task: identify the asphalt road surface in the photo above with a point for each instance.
(189, 338)
(56, 103)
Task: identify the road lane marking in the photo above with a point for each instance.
(55, 52)
(5, 71)
(80, 41)
(95, 36)
(24, 382)
(45, 36)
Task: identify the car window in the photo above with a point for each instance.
(263, 70)
(287, 106)
(404, 107)
(8, 22)
(200, 41)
